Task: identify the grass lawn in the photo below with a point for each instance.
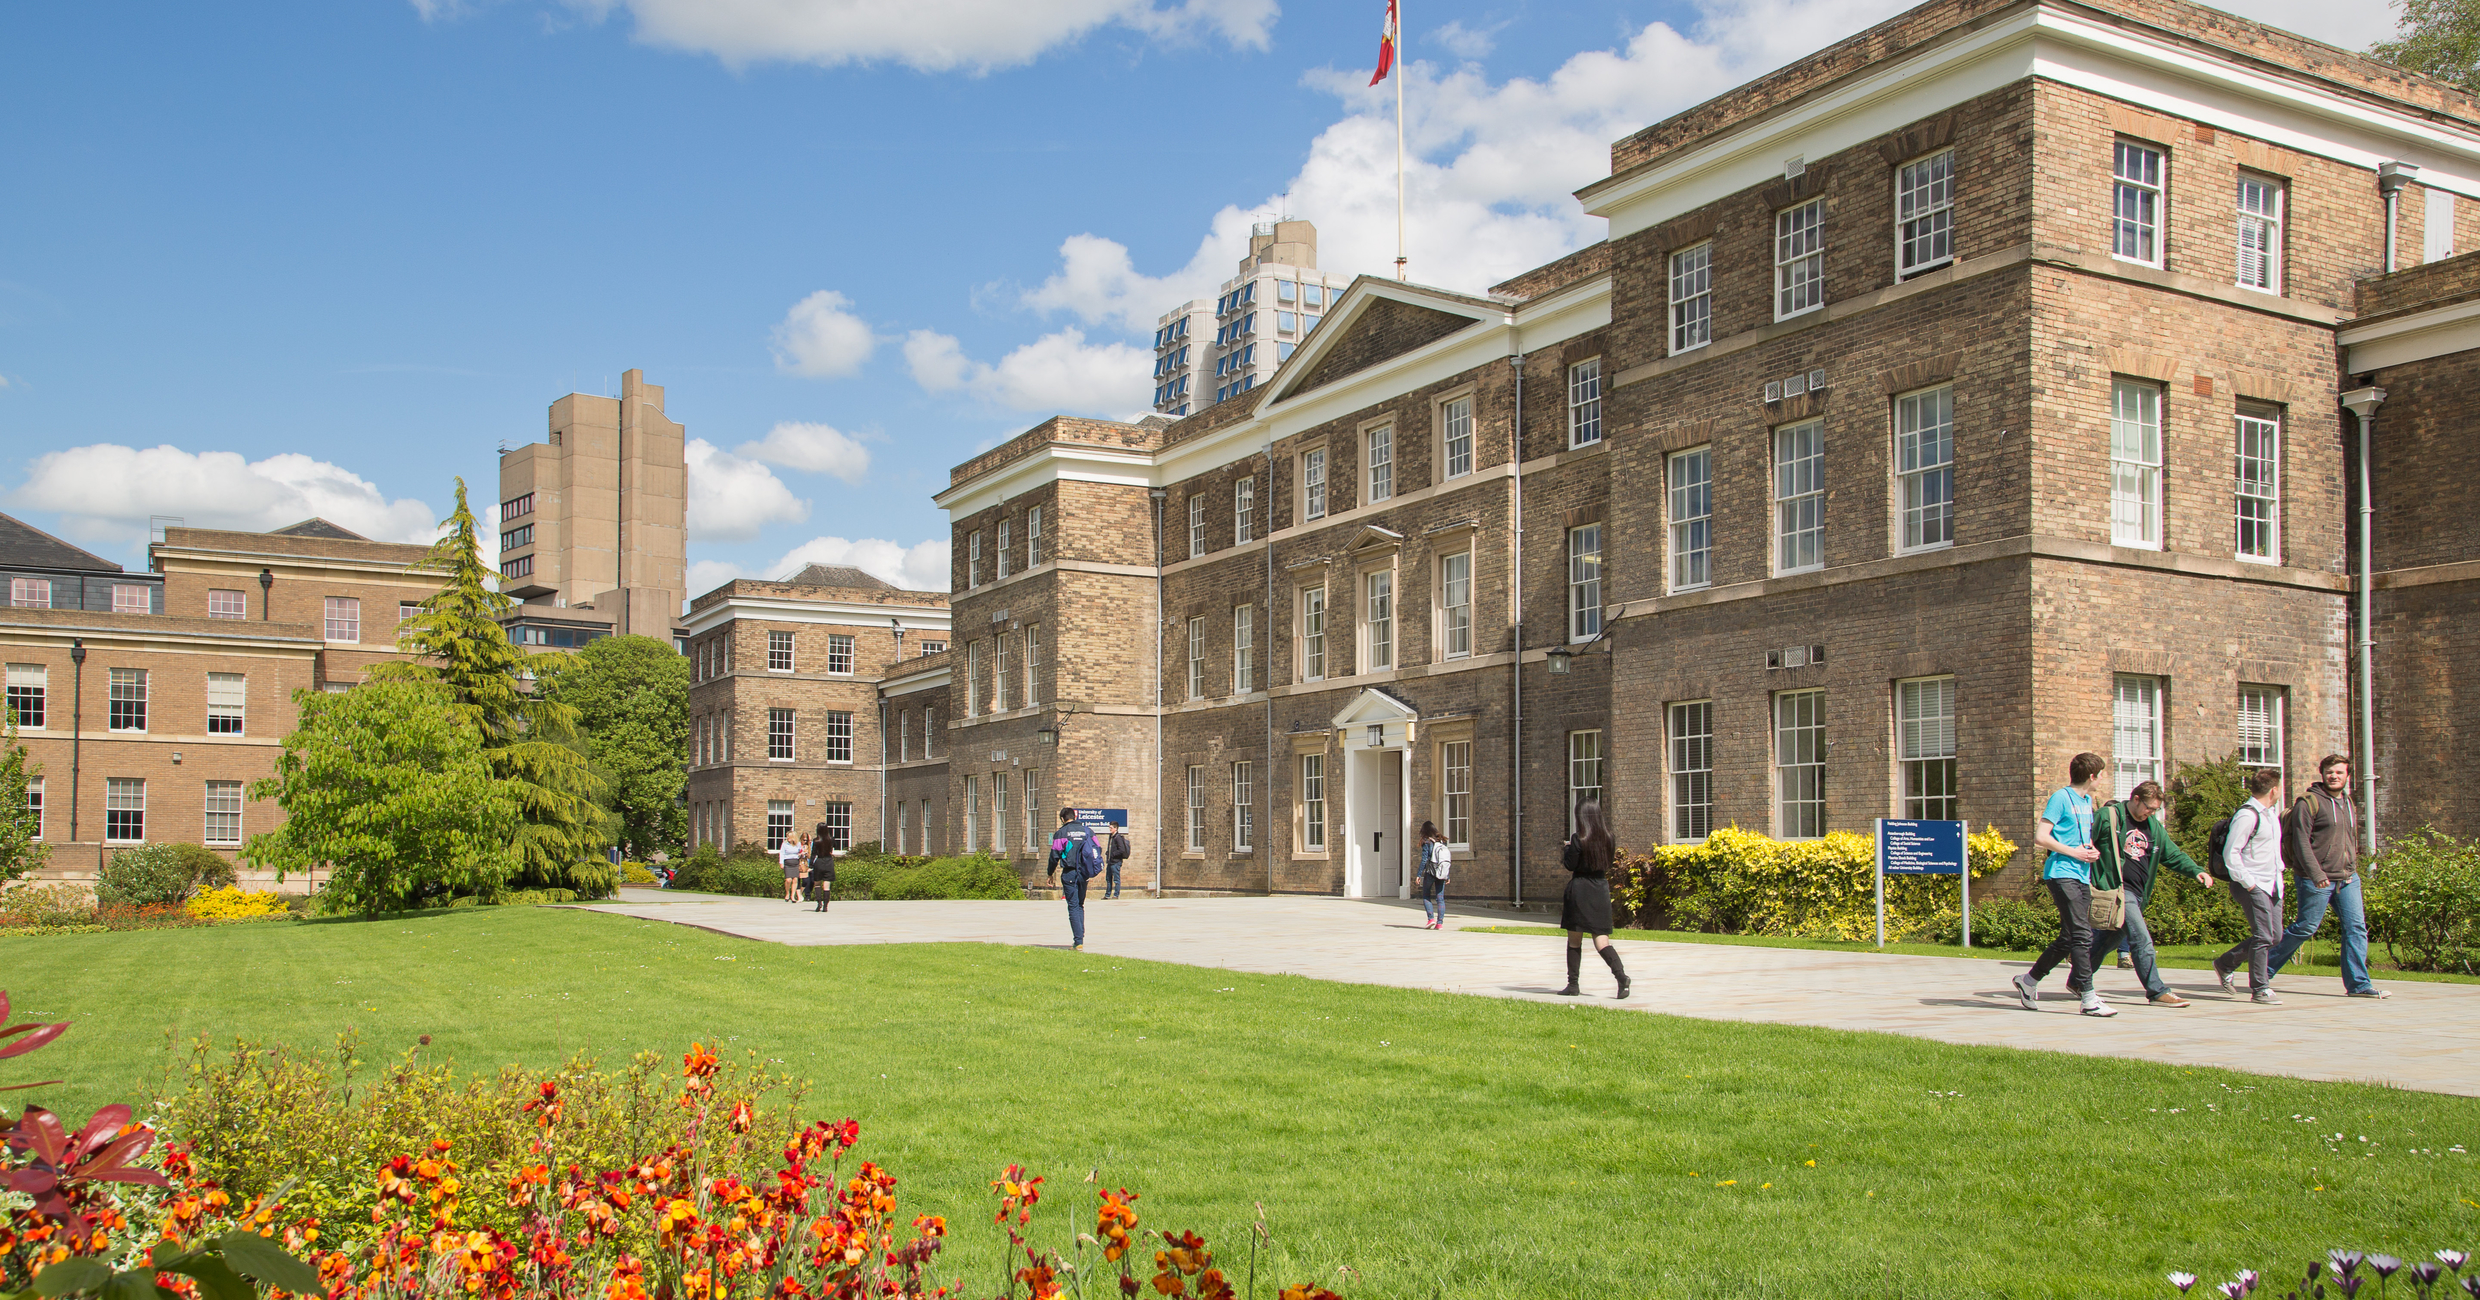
(1436, 1145)
(2318, 957)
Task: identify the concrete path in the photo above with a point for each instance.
(2424, 1037)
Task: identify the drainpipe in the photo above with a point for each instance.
(2391, 177)
(1515, 615)
(2363, 402)
(1158, 494)
(77, 729)
(1265, 781)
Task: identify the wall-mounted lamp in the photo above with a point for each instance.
(266, 584)
(1048, 735)
(176, 758)
(1560, 657)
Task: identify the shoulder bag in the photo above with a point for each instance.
(2109, 906)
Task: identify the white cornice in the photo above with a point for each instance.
(935, 679)
(278, 561)
(837, 613)
(155, 638)
(2150, 70)
(2415, 337)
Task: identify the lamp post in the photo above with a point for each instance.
(266, 585)
(77, 719)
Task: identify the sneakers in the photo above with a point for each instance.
(2125, 962)
(2168, 1000)
(2229, 979)
(2264, 998)
(2094, 1006)
(2370, 992)
(2027, 991)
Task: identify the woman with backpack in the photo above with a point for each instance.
(1586, 909)
(1435, 861)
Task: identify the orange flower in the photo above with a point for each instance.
(741, 1118)
(1211, 1286)
(1113, 1222)
(699, 1063)
(1309, 1291)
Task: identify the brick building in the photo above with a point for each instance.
(1954, 400)
(151, 706)
(787, 726)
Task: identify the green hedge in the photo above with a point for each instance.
(1740, 882)
(978, 876)
(160, 873)
(749, 872)
(2423, 900)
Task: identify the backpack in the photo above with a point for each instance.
(2216, 841)
(1088, 862)
(1119, 845)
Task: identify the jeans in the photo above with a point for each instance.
(2137, 940)
(1434, 899)
(2345, 899)
(1110, 883)
(1072, 887)
(2264, 917)
(2075, 937)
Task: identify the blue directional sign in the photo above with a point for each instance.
(1920, 848)
(1103, 817)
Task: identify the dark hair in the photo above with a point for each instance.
(1429, 831)
(1067, 814)
(2263, 779)
(2148, 791)
(2331, 761)
(1593, 836)
(2085, 767)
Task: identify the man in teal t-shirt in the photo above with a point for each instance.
(2066, 830)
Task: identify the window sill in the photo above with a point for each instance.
(2137, 261)
(1780, 317)
(1930, 549)
(1924, 269)
(2269, 561)
(1693, 347)
(2123, 544)
(1573, 445)
(1689, 587)
(1805, 568)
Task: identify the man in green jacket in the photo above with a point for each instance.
(2135, 848)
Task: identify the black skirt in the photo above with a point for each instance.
(1587, 905)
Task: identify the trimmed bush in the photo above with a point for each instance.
(978, 876)
(636, 873)
(235, 904)
(2423, 900)
(1740, 882)
(749, 873)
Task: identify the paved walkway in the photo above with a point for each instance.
(2425, 1037)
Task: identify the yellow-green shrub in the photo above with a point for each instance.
(233, 903)
(637, 873)
(1740, 882)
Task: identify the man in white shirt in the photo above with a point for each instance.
(2252, 855)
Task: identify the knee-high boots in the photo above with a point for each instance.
(1575, 963)
(1610, 955)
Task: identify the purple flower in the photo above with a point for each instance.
(2346, 1262)
(2246, 1278)
(2231, 1290)
(2182, 1281)
(2452, 1259)
(2427, 1273)
(2385, 1265)
(2350, 1285)
(2471, 1284)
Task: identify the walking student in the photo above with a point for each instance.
(1075, 860)
(1435, 863)
(821, 866)
(1586, 909)
(2321, 842)
(2135, 850)
(789, 854)
(2066, 830)
(2252, 857)
(1118, 855)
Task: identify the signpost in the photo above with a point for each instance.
(1104, 818)
(1923, 848)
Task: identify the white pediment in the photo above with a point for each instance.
(1373, 705)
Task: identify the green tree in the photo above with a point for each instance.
(532, 743)
(631, 694)
(389, 786)
(2438, 37)
(21, 853)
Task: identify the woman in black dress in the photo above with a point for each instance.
(822, 865)
(1586, 909)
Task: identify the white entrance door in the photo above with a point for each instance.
(1375, 818)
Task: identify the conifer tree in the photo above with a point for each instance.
(532, 743)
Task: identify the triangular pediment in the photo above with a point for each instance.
(1373, 538)
(1374, 322)
(1373, 705)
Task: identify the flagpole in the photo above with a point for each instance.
(1399, 140)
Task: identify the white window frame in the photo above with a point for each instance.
(1799, 481)
(1455, 597)
(1585, 771)
(1690, 732)
(1243, 806)
(999, 673)
(1455, 792)
(999, 811)
(1799, 764)
(1196, 658)
(2135, 463)
(1692, 297)
(1924, 468)
(973, 559)
(1033, 664)
(2261, 714)
(1584, 583)
(1033, 809)
(1313, 483)
(2257, 231)
(840, 654)
(1243, 649)
(132, 598)
(904, 735)
(839, 736)
(1313, 633)
(228, 701)
(236, 607)
(2136, 709)
(1033, 537)
(1313, 803)
(343, 620)
(1001, 562)
(1925, 749)
(1243, 511)
(973, 678)
(223, 800)
(34, 804)
(123, 797)
(30, 593)
(1691, 517)
(1196, 809)
(129, 689)
(972, 814)
(2256, 487)
(1800, 259)
(1378, 446)
(2139, 202)
(779, 652)
(1377, 620)
(1584, 403)
(29, 696)
(781, 726)
(1455, 436)
(1924, 214)
(836, 816)
(1196, 524)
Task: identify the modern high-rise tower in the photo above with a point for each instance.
(593, 522)
(1256, 319)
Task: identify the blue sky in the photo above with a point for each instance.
(269, 260)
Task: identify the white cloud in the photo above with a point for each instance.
(732, 499)
(1056, 372)
(926, 35)
(212, 489)
(817, 448)
(1465, 43)
(820, 337)
(919, 567)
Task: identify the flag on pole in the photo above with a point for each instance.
(1387, 37)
